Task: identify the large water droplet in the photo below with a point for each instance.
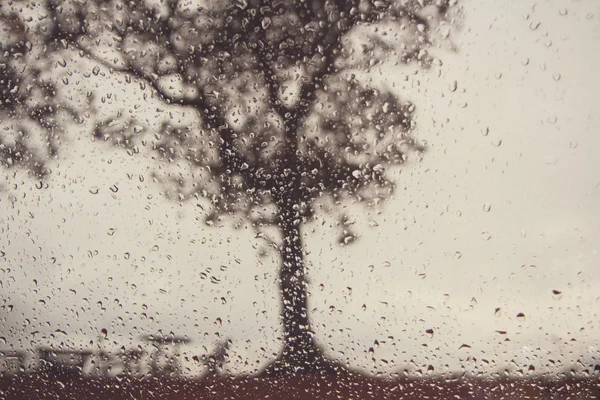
(453, 86)
(266, 22)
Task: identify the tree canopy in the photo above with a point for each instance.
(284, 114)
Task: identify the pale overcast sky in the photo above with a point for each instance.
(502, 211)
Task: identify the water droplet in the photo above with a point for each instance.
(497, 142)
(487, 207)
(497, 311)
(94, 190)
(266, 22)
(486, 131)
(96, 70)
(155, 247)
(486, 235)
(563, 11)
(453, 86)
(349, 239)
(525, 61)
(573, 145)
(457, 255)
(429, 332)
(114, 188)
(520, 316)
(556, 76)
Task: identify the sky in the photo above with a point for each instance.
(493, 235)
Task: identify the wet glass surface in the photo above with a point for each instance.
(299, 199)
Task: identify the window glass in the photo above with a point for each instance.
(328, 199)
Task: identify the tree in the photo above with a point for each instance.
(286, 114)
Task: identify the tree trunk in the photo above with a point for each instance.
(300, 353)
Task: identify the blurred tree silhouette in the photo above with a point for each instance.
(285, 116)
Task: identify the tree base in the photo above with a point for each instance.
(305, 362)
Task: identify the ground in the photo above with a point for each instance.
(295, 387)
